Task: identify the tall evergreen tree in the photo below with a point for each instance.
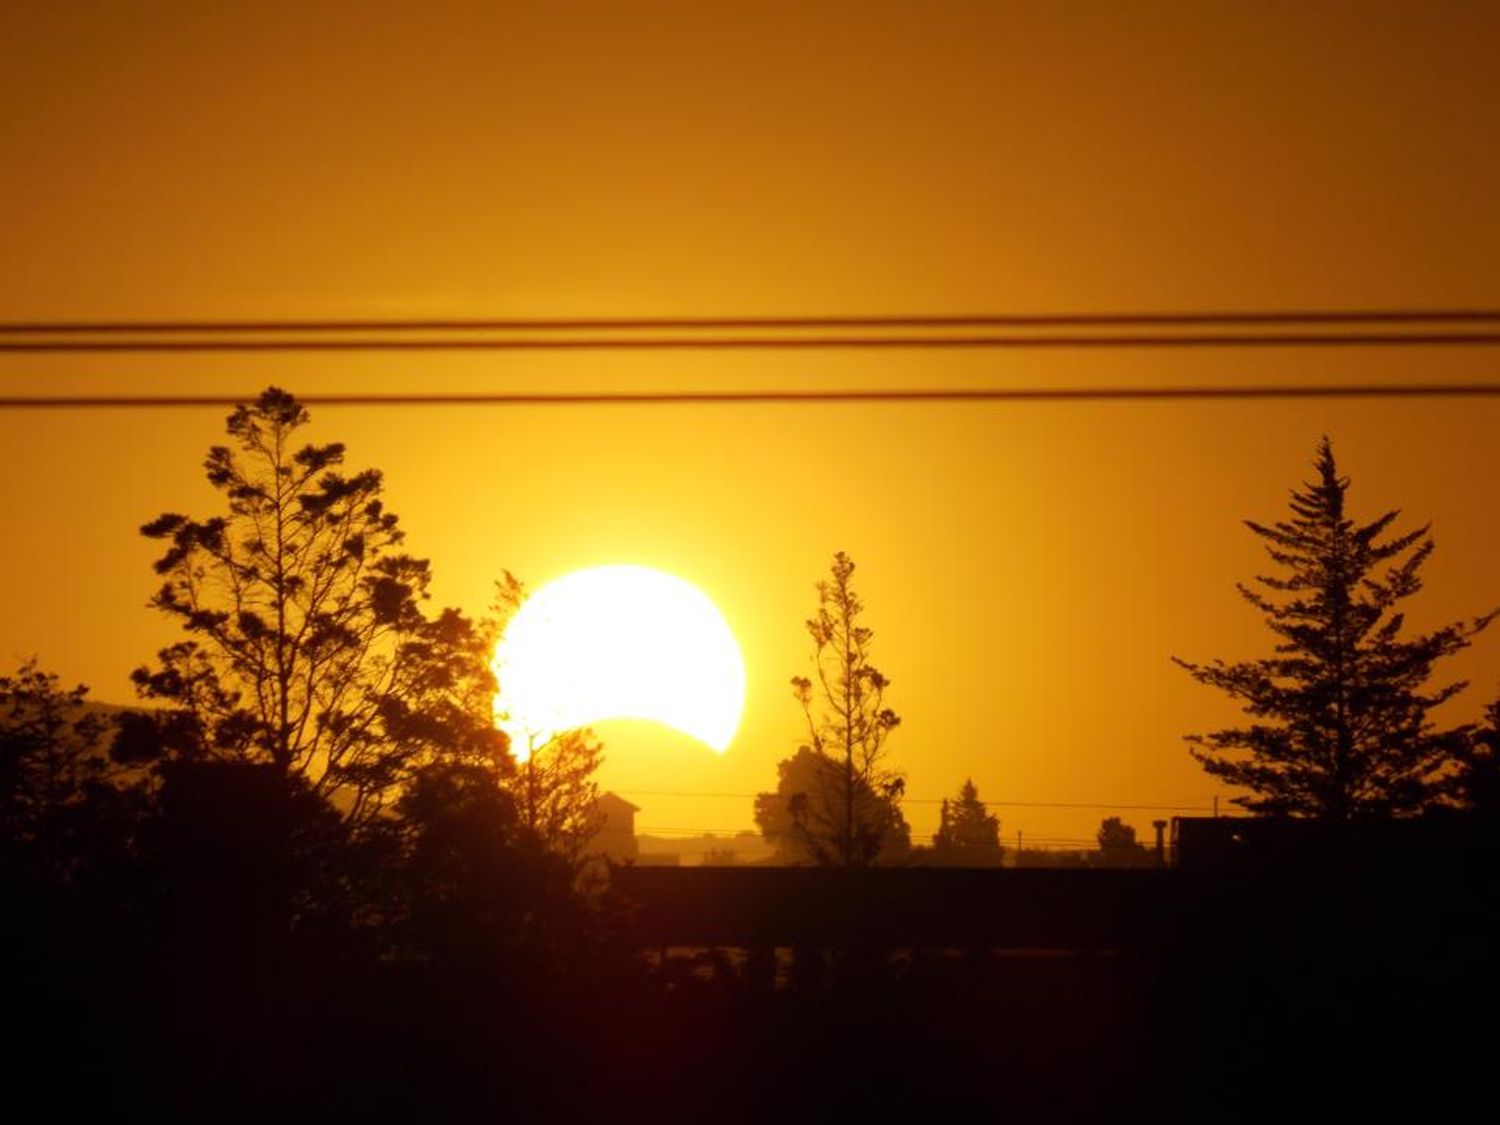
(1342, 726)
(967, 833)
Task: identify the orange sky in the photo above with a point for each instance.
(1028, 569)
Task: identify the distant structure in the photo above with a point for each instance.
(659, 859)
(1420, 846)
(708, 849)
(615, 839)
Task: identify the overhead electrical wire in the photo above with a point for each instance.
(773, 397)
(1250, 329)
(727, 836)
(1326, 317)
(940, 800)
(1259, 329)
(767, 342)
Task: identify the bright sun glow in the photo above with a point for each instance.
(618, 642)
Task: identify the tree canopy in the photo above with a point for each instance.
(967, 833)
(1477, 783)
(308, 646)
(803, 819)
(554, 782)
(1342, 709)
(63, 801)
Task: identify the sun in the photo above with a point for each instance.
(618, 642)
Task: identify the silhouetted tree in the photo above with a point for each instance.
(308, 647)
(1477, 783)
(471, 882)
(63, 802)
(1342, 724)
(1118, 846)
(967, 834)
(803, 819)
(554, 783)
(50, 748)
(847, 724)
(1115, 835)
(557, 794)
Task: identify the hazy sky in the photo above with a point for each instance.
(1029, 570)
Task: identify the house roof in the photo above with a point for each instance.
(614, 802)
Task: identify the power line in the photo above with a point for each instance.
(727, 836)
(939, 800)
(921, 321)
(1254, 328)
(784, 397)
(764, 343)
(648, 830)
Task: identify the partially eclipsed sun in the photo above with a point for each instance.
(618, 642)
